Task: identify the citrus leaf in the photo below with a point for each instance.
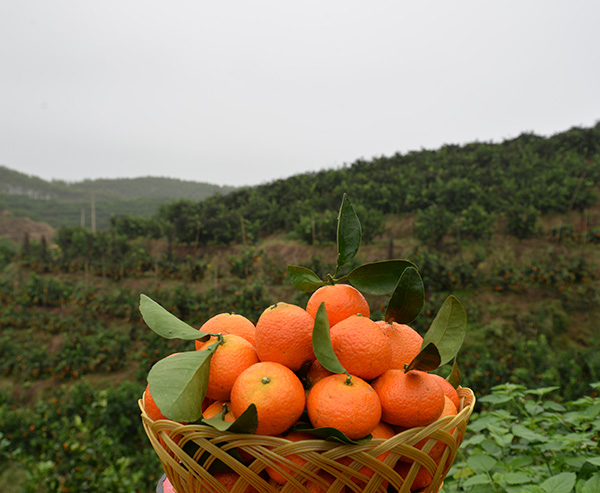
(327, 433)
(378, 277)
(247, 422)
(178, 384)
(454, 377)
(428, 359)
(349, 232)
(447, 331)
(321, 341)
(166, 324)
(304, 279)
(408, 298)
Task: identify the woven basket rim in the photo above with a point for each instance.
(466, 409)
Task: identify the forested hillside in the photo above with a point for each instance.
(461, 190)
(60, 203)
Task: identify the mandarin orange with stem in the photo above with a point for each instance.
(409, 399)
(437, 450)
(341, 301)
(229, 323)
(231, 357)
(315, 373)
(448, 389)
(218, 407)
(404, 341)
(284, 335)
(276, 392)
(347, 403)
(361, 347)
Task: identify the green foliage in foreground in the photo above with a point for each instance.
(81, 440)
(526, 442)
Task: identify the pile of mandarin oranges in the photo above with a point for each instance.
(273, 366)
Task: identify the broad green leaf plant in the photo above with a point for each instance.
(526, 442)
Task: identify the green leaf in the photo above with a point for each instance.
(454, 377)
(592, 411)
(408, 298)
(553, 406)
(247, 422)
(428, 359)
(491, 448)
(503, 440)
(592, 485)
(166, 324)
(520, 461)
(517, 478)
(448, 329)
(304, 279)
(475, 480)
(321, 341)
(481, 462)
(542, 391)
(327, 433)
(378, 278)
(495, 398)
(349, 232)
(531, 488)
(593, 460)
(524, 432)
(178, 384)
(560, 483)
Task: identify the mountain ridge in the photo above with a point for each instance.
(13, 182)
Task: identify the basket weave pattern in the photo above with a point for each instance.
(205, 446)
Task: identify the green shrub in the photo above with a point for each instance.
(476, 223)
(523, 441)
(8, 251)
(80, 440)
(432, 224)
(521, 221)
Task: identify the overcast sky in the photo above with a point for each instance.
(246, 92)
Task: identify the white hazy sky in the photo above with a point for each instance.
(246, 92)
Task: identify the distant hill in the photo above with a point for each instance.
(59, 203)
(15, 183)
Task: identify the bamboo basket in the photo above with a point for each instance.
(189, 453)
